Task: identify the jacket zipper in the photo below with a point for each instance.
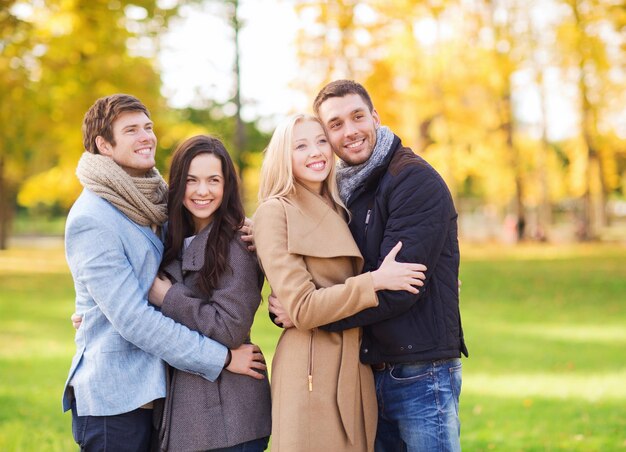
(367, 220)
(310, 368)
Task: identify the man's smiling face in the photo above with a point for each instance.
(351, 127)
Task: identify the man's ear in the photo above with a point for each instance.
(376, 118)
(104, 147)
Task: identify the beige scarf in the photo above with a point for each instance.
(142, 199)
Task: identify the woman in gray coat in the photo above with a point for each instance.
(212, 285)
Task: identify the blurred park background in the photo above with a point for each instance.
(519, 104)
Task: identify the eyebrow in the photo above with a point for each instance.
(336, 118)
(129, 126)
(209, 176)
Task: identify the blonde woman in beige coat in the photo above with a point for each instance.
(323, 398)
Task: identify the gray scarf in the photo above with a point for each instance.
(350, 177)
(142, 199)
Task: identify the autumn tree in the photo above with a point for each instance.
(590, 49)
(64, 56)
(18, 74)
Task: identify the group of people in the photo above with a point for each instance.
(362, 258)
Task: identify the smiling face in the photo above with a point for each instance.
(311, 154)
(135, 143)
(351, 127)
(204, 189)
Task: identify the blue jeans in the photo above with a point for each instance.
(129, 432)
(256, 445)
(418, 406)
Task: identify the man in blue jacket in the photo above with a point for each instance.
(114, 252)
(413, 342)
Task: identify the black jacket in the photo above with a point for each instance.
(407, 200)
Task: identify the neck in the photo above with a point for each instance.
(315, 187)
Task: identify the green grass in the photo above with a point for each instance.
(546, 329)
(24, 224)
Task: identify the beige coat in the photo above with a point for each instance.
(323, 398)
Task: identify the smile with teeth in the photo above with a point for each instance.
(202, 202)
(355, 144)
(144, 151)
(317, 165)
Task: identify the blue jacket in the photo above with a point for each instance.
(407, 200)
(122, 339)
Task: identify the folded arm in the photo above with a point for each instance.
(228, 314)
(419, 217)
(291, 281)
(98, 261)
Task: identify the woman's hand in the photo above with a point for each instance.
(159, 288)
(246, 234)
(281, 317)
(76, 320)
(245, 359)
(394, 275)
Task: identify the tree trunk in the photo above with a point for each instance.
(544, 217)
(240, 129)
(520, 208)
(5, 210)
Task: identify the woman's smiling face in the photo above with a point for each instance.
(311, 154)
(204, 189)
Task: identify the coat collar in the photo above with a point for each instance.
(192, 257)
(315, 229)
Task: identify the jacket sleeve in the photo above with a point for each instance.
(98, 261)
(228, 314)
(307, 306)
(420, 210)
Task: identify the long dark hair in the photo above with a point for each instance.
(228, 218)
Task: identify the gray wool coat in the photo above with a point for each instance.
(198, 414)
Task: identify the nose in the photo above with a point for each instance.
(315, 151)
(349, 129)
(145, 135)
(202, 188)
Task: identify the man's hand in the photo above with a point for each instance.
(245, 359)
(159, 288)
(76, 320)
(282, 318)
(246, 234)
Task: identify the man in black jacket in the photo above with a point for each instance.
(413, 342)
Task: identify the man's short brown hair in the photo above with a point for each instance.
(341, 88)
(98, 120)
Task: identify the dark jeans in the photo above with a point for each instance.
(256, 445)
(126, 432)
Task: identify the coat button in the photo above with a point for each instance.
(365, 350)
(410, 347)
(402, 348)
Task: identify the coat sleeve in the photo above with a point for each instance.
(98, 261)
(307, 306)
(420, 212)
(228, 314)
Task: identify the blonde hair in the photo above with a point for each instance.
(277, 179)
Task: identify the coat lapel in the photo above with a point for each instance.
(193, 256)
(315, 229)
(154, 239)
